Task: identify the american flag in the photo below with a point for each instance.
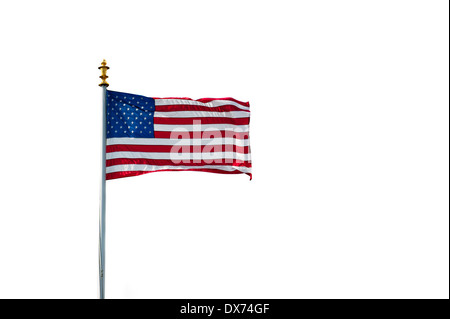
(147, 135)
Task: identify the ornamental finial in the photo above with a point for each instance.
(103, 67)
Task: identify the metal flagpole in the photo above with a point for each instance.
(101, 252)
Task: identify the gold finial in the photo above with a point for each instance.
(103, 67)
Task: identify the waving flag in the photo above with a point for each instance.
(147, 135)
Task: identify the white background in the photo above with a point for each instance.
(349, 129)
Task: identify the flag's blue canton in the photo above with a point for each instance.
(129, 115)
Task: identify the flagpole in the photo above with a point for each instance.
(102, 228)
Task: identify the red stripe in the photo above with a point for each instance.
(169, 148)
(201, 120)
(187, 107)
(136, 173)
(206, 134)
(205, 100)
(145, 161)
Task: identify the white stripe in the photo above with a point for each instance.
(151, 168)
(190, 102)
(194, 114)
(180, 156)
(185, 141)
(199, 128)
